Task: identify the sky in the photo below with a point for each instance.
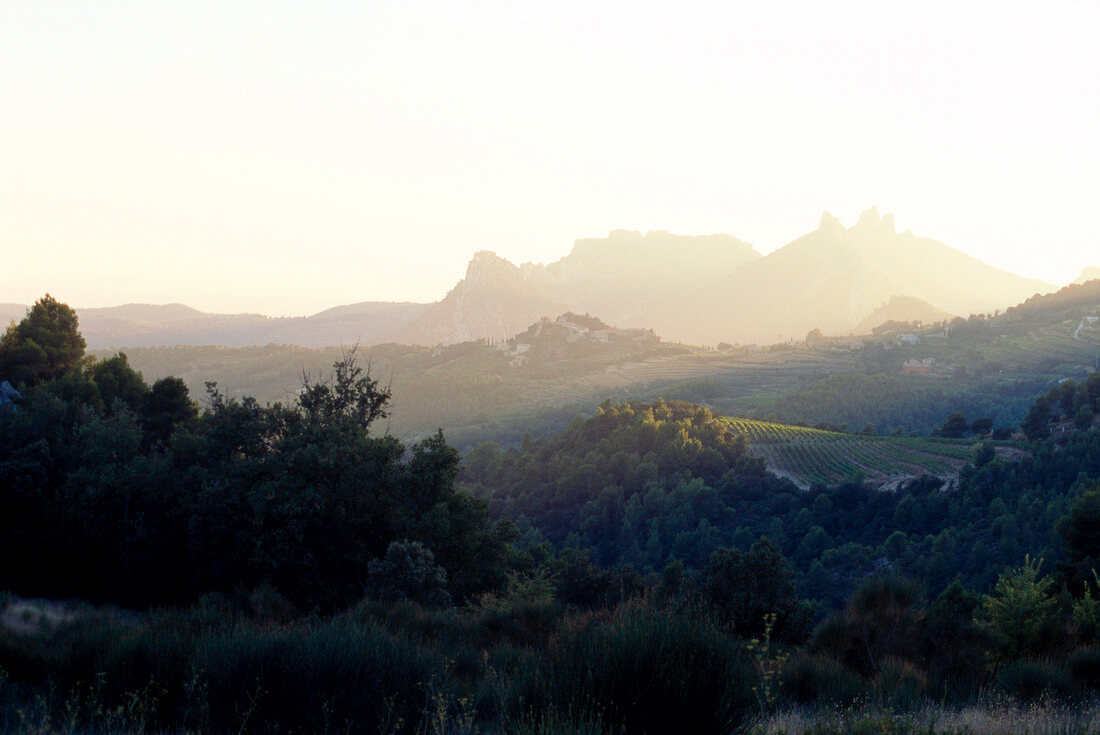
(283, 158)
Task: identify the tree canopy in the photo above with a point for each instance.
(44, 345)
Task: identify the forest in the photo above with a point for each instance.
(177, 563)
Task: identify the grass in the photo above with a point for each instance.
(993, 716)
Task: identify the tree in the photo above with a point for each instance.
(983, 453)
(117, 381)
(882, 621)
(303, 497)
(982, 426)
(45, 345)
(745, 586)
(1080, 532)
(1037, 423)
(167, 405)
(408, 572)
(1019, 614)
(955, 426)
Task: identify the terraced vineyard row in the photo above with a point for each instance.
(810, 456)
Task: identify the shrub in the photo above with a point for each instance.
(900, 684)
(408, 572)
(1029, 680)
(809, 679)
(1085, 667)
(642, 669)
(307, 678)
(1020, 613)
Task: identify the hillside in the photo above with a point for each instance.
(830, 279)
(160, 325)
(1089, 274)
(551, 369)
(493, 301)
(813, 456)
(902, 309)
(625, 278)
(705, 290)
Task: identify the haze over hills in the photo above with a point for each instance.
(693, 289)
(1089, 274)
(624, 279)
(902, 309)
(715, 288)
(834, 277)
(161, 325)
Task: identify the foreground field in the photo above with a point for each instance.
(993, 717)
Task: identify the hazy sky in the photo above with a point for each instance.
(283, 158)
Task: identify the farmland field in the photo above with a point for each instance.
(814, 456)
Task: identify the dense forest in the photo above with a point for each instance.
(233, 567)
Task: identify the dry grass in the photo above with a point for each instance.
(995, 717)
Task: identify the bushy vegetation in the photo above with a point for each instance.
(652, 484)
(283, 568)
(117, 491)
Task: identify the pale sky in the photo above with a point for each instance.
(283, 158)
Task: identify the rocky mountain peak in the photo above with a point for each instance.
(829, 223)
(872, 225)
(487, 267)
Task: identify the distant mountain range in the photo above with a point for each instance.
(703, 290)
(149, 325)
(626, 279)
(693, 289)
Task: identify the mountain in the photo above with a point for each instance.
(832, 277)
(1089, 274)
(703, 290)
(11, 313)
(902, 309)
(162, 325)
(624, 279)
(694, 289)
(494, 300)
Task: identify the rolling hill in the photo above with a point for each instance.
(164, 325)
(812, 456)
(902, 309)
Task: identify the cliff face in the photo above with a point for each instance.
(495, 300)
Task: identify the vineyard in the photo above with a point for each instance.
(809, 456)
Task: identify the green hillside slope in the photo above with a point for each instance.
(808, 456)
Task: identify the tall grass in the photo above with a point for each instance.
(990, 716)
